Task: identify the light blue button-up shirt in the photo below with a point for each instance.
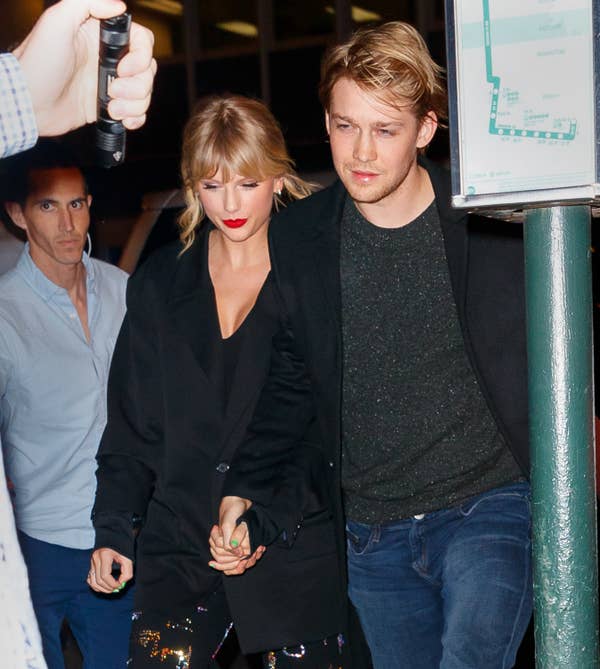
(53, 395)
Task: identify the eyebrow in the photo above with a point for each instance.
(341, 117)
(81, 198)
(378, 124)
(45, 199)
(387, 124)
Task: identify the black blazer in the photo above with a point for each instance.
(485, 262)
(167, 447)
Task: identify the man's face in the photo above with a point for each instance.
(374, 145)
(55, 216)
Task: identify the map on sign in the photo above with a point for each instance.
(525, 83)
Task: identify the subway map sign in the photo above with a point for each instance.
(522, 101)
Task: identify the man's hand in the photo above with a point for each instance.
(100, 576)
(230, 542)
(59, 58)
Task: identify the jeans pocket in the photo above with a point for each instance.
(504, 500)
(359, 538)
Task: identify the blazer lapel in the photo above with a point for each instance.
(324, 304)
(324, 251)
(454, 232)
(193, 310)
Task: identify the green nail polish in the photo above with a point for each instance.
(122, 585)
(235, 543)
(212, 565)
(115, 590)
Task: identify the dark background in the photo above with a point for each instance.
(198, 52)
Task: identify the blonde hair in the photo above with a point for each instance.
(238, 135)
(393, 62)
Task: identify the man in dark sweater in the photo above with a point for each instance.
(404, 356)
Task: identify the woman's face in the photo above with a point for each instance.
(240, 207)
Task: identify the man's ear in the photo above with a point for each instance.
(429, 124)
(13, 209)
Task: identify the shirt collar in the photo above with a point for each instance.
(42, 285)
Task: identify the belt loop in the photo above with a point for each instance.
(376, 533)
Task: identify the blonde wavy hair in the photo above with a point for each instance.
(392, 62)
(240, 136)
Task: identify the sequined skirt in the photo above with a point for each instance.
(326, 654)
(189, 641)
(193, 641)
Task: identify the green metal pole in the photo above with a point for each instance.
(559, 333)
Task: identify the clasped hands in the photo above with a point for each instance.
(230, 542)
(229, 545)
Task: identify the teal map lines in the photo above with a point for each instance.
(525, 98)
(530, 118)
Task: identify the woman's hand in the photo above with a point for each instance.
(233, 560)
(100, 576)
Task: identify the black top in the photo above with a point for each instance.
(417, 434)
(231, 346)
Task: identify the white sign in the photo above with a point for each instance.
(525, 99)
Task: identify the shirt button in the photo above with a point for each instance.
(222, 467)
(331, 464)
(419, 516)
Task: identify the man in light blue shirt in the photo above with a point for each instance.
(60, 314)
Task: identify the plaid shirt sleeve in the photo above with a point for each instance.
(18, 130)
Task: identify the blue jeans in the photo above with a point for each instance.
(100, 623)
(449, 590)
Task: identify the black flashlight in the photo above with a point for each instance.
(110, 134)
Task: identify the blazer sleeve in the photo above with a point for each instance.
(275, 466)
(133, 436)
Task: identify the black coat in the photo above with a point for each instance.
(167, 447)
(303, 392)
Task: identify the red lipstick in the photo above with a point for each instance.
(234, 222)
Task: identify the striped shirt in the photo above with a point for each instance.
(18, 129)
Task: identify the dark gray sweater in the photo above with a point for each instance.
(417, 433)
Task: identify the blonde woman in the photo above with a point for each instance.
(191, 358)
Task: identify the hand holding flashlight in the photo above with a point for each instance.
(110, 134)
(61, 74)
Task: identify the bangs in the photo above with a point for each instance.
(232, 154)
